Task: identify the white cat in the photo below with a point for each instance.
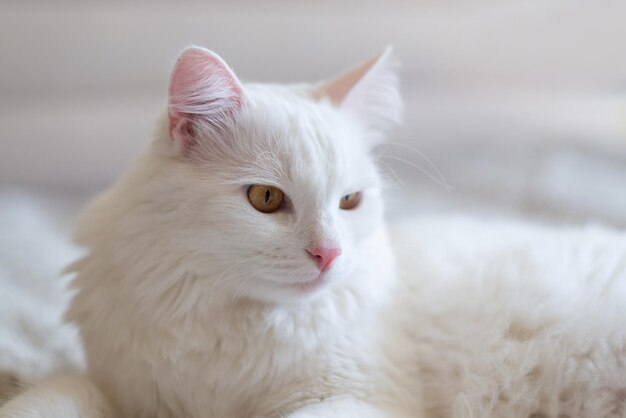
(242, 269)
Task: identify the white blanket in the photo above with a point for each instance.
(34, 249)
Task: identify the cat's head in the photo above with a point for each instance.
(275, 187)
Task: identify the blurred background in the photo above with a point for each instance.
(513, 108)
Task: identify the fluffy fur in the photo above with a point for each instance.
(192, 304)
(516, 320)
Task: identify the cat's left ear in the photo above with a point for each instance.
(370, 92)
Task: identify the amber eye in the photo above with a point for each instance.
(350, 201)
(266, 199)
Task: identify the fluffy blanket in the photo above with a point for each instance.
(34, 249)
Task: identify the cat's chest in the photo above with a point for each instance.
(240, 374)
(224, 382)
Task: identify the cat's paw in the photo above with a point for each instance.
(59, 397)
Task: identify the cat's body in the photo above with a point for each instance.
(196, 300)
(257, 359)
(516, 320)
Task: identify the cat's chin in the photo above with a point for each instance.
(312, 284)
(293, 292)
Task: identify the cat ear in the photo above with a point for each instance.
(203, 92)
(370, 92)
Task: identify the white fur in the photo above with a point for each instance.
(62, 397)
(513, 319)
(189, 306)
(206, 319)
(375, 99)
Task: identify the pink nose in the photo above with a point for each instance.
(323, 256)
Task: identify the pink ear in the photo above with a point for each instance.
(370, 92)
(203, 92)
(337, 90)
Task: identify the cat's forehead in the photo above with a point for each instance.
(293, 141)
(308, 139)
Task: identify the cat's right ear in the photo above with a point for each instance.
(203, 92)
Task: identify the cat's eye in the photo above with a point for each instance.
(350, 201)
(264, 198)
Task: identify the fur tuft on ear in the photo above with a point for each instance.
(370, 92)
(203, 91)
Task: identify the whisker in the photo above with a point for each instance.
(245, 323)
(392, 171)
(223, 275)
(246, 280)
(441, 181)
(232, 304)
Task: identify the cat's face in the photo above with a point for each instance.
(280, 182)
